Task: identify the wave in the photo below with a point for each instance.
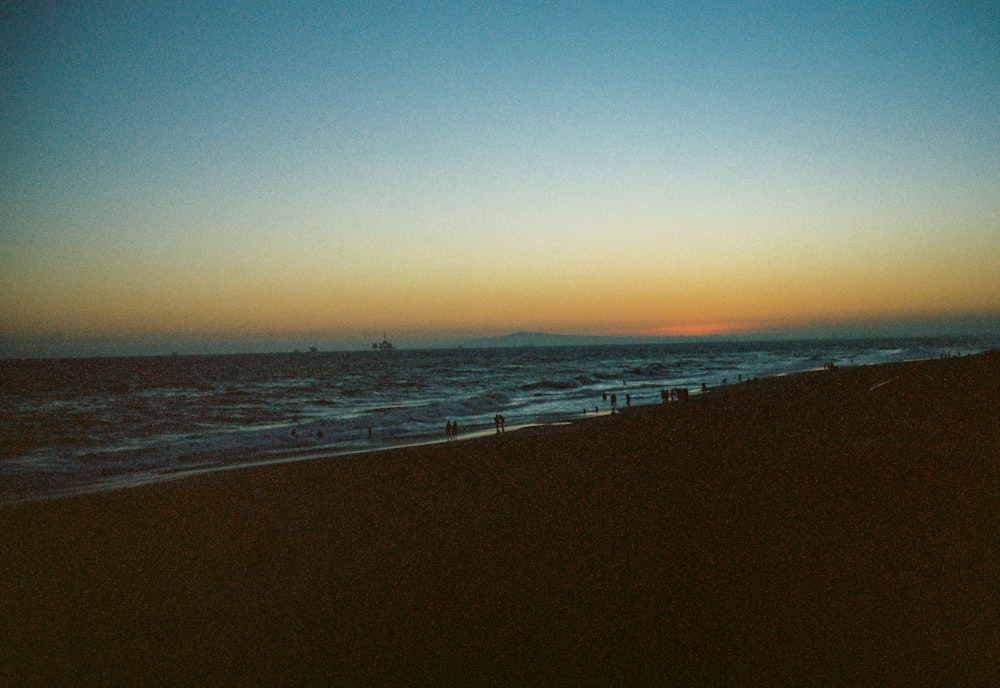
(232, 398)
(550, 385)
(422, 417)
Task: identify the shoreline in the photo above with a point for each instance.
(129, 481)
(821, 527)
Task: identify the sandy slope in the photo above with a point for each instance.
(818, 529)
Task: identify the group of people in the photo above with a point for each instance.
(614, 401)
(451, 427)
(676, 394)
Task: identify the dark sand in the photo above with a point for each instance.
(796, 531)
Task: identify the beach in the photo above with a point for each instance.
(836, 527)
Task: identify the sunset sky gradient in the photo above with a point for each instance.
(222, 176)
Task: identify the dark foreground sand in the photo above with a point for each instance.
(794, 531)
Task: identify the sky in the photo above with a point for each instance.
(214, 176)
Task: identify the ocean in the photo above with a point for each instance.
(71, 426)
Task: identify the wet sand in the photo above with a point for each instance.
(837, 527)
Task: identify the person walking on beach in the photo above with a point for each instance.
(448, 431)
(496, 422)
(614, 403)
(503, 423)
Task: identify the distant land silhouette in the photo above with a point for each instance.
(547, 339)
(944, 326)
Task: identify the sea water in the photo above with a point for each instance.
(82, 425)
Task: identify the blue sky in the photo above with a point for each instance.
(256, 172)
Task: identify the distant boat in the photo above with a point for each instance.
(384, 345)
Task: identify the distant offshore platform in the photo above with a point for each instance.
(384, 345)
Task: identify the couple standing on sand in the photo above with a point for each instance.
(500, 422)
(451, 430)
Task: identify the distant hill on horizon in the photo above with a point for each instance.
(901, 329)
(516, 339)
